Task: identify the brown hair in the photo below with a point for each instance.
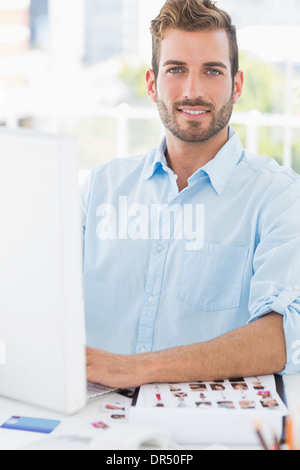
(192, 15)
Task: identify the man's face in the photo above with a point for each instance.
(194, 90)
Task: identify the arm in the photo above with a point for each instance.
(255, 349)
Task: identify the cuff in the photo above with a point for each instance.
(287, 303)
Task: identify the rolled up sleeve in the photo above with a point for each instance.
(275, 285)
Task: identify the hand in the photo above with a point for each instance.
(113, 370)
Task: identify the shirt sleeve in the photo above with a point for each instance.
(275, 285)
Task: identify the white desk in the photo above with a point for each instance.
(81, 424)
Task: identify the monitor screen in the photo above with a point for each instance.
(41, 303)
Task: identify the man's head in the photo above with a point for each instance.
(195, 79)
(192, 15)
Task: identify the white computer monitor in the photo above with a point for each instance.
(42, 331)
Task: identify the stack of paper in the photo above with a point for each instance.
(222, 412)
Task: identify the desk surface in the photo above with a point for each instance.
(81, 423)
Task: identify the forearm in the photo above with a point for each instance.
(256, 349)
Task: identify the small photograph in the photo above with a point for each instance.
(237, 379)
(117, 417)
(247, 405)
(264, 394)
(100, 425)
(179, 395)
(258, 386)
(203, 404)
(112, 406)
(228, 405)
(198, 387)
(269, 404)
(173, 388)
(217, 387)
(240, 386)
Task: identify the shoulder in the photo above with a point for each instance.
(121, 168)
(113, 174)
(266, 172)
(261, 164)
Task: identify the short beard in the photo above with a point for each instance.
(194, 133)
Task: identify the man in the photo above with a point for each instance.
(191, 252)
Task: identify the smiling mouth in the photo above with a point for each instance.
(193, 114)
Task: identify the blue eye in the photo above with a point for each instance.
(214, 72)
(175, 70)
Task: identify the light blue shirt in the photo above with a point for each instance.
(165, 269)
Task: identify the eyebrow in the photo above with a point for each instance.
(173, 62)
(215, 64)
(206, 64)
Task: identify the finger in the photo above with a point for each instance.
(90, 353)
(89, 375)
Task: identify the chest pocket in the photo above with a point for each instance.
(212, 278)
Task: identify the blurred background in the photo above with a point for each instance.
(78, 67)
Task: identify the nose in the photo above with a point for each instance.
(194, 86)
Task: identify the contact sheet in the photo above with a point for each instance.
(240, 393)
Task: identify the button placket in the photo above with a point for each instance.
(153, 286)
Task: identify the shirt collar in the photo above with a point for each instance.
(219, 169)
(156, 159)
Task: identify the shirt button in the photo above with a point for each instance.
(160, 248)
(297, 287)
(151, 299)
(143, 350)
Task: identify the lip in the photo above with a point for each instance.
(193, 114)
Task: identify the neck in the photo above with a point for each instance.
(187, 158)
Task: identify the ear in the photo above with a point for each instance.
(151, 88)
(238, 86)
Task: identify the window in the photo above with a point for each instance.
(83, 73)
